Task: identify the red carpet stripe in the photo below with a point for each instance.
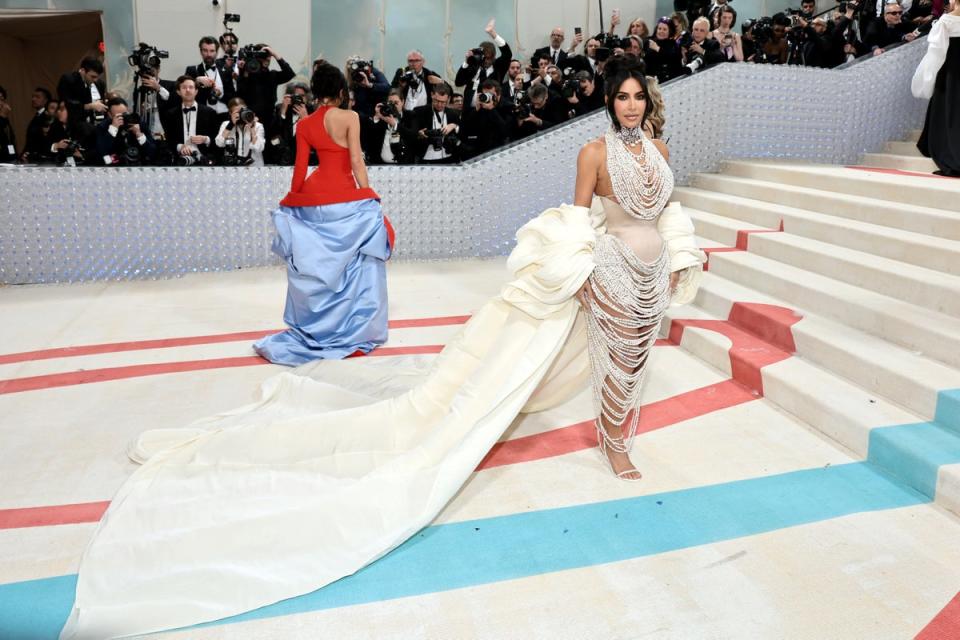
(163, 343)
(52, 515)
(653, 416)
(50, 381)
(946, 626)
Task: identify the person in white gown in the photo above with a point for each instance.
(340, 462)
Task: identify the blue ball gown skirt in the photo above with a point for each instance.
(336, 282)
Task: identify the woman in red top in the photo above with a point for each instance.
(334, 238)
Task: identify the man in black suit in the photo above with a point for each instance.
(475, 70)
(190, 127)
(386, 138)
(258, 86)
(282, 129)
(215, 87)
(555, 51)
(545, 111)
(486, 127)
(152, 99)
(121, 142)
(83, 92)
(35, 144)
(513, 84)
(888, 31)
(416, 82)
(442, 148)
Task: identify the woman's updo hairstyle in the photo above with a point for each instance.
(618, 70)
(328, 82)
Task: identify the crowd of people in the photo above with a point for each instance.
(225, 110)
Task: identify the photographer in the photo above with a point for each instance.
(190, 127)
(387, 139)
(436, 129)
(698, 51)
(83, 92)
(214, 83)
(152, 98)
(513, 83)
(583, 93)
(889, 31)
(844, 38)
(416, 82)
(770, 36)
(68, 142)
(120, 140)
(369, 85)
(537, 112)
(482, 64)
(815, 44)
(8, 142)
(43, 107)
(230, 45)
(485, 128)
(282, 130)
(731, 46)
(241, 137)
(663, 54)
(257, 84)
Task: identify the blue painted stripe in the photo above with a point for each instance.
(491, 550)
(948, 410)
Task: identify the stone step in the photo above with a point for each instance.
(868, 426)
(872, 363)
(925, 220)
(924, 287)
(905, 246)
(928, 333)
(902, 149)
(925, 191)
(901, 162)
(914, 135)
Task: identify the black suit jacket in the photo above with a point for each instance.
(561, 56)
(108, 145)
(226, 76)
(466, 75)
(76, 93)
(374, 133)
(208, 124)
(422, 118)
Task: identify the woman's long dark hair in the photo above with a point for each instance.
(328, 82)
(618, 70)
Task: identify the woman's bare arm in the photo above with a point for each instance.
(356, 153)
(588, 166)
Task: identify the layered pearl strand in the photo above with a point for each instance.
(642, 182)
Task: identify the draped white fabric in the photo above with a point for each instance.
(319, 478)
(925, 77)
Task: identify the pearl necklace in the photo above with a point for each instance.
(643, 183)
(630, 136)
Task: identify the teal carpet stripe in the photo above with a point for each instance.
(489, 550)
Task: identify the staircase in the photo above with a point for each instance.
(856, 272)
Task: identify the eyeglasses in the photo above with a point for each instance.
(412, 60)
(894, 13)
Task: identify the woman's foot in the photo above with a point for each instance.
(622, 466)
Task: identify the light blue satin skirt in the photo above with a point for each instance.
(336, 282)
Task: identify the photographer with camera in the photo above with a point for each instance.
(83, 91)
(369, 85)
(513, 83)
(537, 111)
(698, 51)
(241, 137)
(282, 128)
(230, 46)
(770, 38)
(120, 139)
(70, 143)
(416, 82)
(485, 128)
(584, 92)
(214, 85)
(190, 127)
(258, 83)
(386, 138)
(890, 30)
(482, 63)
(152, 96)
(437, 140)
(663, 54)
(844, 37)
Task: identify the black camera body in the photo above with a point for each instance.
(521, 105)
(297, 100)
(476, 56)
(146, 59)
(570, 88)
(360, 68)
(411, 79)
(486, 97)
(441, 142)
(387, 110)
(255, 58)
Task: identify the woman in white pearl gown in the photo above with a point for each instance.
(339, 462)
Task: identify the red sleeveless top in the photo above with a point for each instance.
(332, 181)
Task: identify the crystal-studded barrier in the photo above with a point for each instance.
(68, 225)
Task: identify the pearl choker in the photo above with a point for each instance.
(630, 136)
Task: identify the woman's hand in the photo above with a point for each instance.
(674, 279)
(585, 294)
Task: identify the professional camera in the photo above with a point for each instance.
(246, 117)
(486, 97)
(360, 68)
(476, 56)
(254, 57)
(387, 110)
(694, 60)
(411, 79)
(146, 59)
(230, 18)
(611, 41)
(521, 105)
(131, 146)
(297, 100)
(762, 30)
(570, 87)
(441, 142)
(602, 53)
(195, 158)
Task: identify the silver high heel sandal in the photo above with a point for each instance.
(616, 445)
